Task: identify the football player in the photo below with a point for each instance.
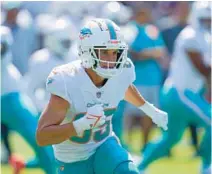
(18, 111)
(58, 38)
(182, 94)
(84, 96)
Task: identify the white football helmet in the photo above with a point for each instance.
(100, 34)
(58, 38)
(6, 43)
(201, 11)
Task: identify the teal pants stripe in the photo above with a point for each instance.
(183, 108)
(18, 114)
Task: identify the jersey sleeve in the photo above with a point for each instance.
(56, 84)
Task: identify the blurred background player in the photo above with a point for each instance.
(77, 11)
(23, 31)
(59, 36)
(183, 92)
(147, 50)
(180, 18)
(17, 109)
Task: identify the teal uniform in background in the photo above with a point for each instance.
(148, 74)
(183, 108)
(17, 110)
(19, 114)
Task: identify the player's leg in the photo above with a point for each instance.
(111, 158)
(194, 137)
(205, 150)
(18, 113)
(146, 127)
(127, 167)
(131, 118)
(199, 111)
(151, 94)
(169, 103)
(5, 138)
(80, 167)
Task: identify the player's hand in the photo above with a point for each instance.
(93, 118)
(160, 118)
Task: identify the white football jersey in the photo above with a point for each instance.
(11, 78)
(183, 74)
(40, 65)
(71, 82)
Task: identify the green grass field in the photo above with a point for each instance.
(181, 162)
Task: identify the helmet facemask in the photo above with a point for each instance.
(102, 66)
(106, 68)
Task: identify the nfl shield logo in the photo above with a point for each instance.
(98, 94)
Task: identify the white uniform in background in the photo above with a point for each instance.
(40, 65)
(11, 79)
(57, 40)
(182, 71)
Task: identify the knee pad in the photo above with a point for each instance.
(127, 167)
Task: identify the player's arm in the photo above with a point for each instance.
(197, 59)
(156, 53)
(159, 117)
(49, 130)
(194, 52)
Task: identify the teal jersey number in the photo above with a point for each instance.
(98, 135)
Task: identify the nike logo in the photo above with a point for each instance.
(90, 116)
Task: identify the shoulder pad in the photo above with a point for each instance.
(56, 83)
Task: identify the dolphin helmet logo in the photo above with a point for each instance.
(85, 32)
